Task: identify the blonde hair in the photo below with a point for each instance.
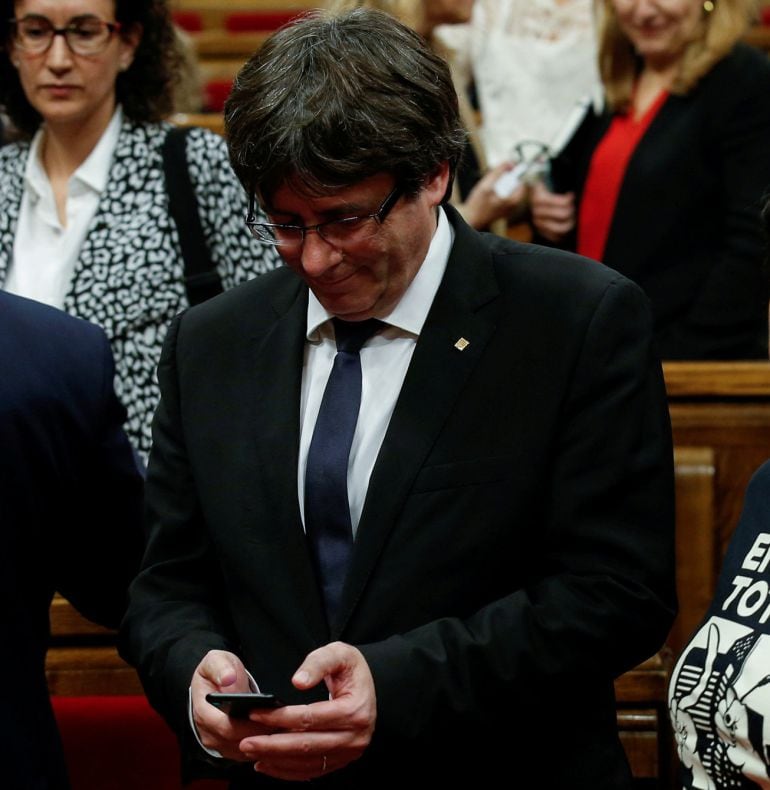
(716, 34)
(409, 12)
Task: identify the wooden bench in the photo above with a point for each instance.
(643, 722)
(208, 120)
(213, 14)
(720, 416)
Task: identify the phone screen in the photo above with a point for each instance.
(239, 705)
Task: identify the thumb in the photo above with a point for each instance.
(220, 668)
(329, 660)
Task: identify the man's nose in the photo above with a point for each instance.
(317, 254)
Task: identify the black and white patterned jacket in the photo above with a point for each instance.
(129, 275)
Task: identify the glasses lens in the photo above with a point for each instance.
(282, 236)
(349, 230)
(262, 232)
(34, 35)
(88, 36)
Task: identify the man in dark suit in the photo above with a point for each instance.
(70, 510)
(506, 545)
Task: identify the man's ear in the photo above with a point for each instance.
(436, 184)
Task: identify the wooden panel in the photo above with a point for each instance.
(227, 6)
(739, 434)
(726, 407)
(89, 670)
(717, 379)
(82, 659)
(213, 12)
(641, 747)
(643, 721)
(220, 68)
(68, 624)
(647, 683)
(696, 548)
(221, 44)
(208, 120)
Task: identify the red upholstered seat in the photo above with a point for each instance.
(191, 21)
(119, 743)
(215, 93)
(257, 21)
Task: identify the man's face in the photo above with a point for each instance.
(367, 278)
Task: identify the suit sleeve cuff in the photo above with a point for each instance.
(211, 752)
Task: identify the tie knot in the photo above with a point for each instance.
(351, 335)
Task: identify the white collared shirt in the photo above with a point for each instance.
(384, 362)
(45, 252)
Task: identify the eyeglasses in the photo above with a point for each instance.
(85, 35)
(337, 232)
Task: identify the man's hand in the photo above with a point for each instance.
(221, 671)
(323, 736)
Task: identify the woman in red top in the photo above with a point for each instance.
(666, 184)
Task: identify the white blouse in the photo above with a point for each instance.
(45, 250)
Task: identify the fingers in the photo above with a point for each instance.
(552, 214)
(220, 670)
(223, 734)
(298, 758)
(309, 740)
(485, 205)
(304, 755)
(336, 660)
(506, 203)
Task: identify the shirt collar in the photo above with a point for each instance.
(92, 173)
(412, 309)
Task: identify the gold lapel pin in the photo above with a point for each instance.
(462, 344)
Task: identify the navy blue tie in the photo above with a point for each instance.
(327, 512)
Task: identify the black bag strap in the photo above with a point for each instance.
(201, 278)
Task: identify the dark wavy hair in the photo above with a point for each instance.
(144, 89)
(330, 100)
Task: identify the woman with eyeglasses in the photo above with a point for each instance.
(666, 184)
(84, 207)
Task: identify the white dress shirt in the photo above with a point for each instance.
(45, 251)
(384, 361)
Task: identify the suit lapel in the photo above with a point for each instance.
(277, 377)
(459, 325)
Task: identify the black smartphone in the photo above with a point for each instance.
(238, 705)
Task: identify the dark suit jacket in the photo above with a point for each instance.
(686, 225)
(515, 550)
(70, 511)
